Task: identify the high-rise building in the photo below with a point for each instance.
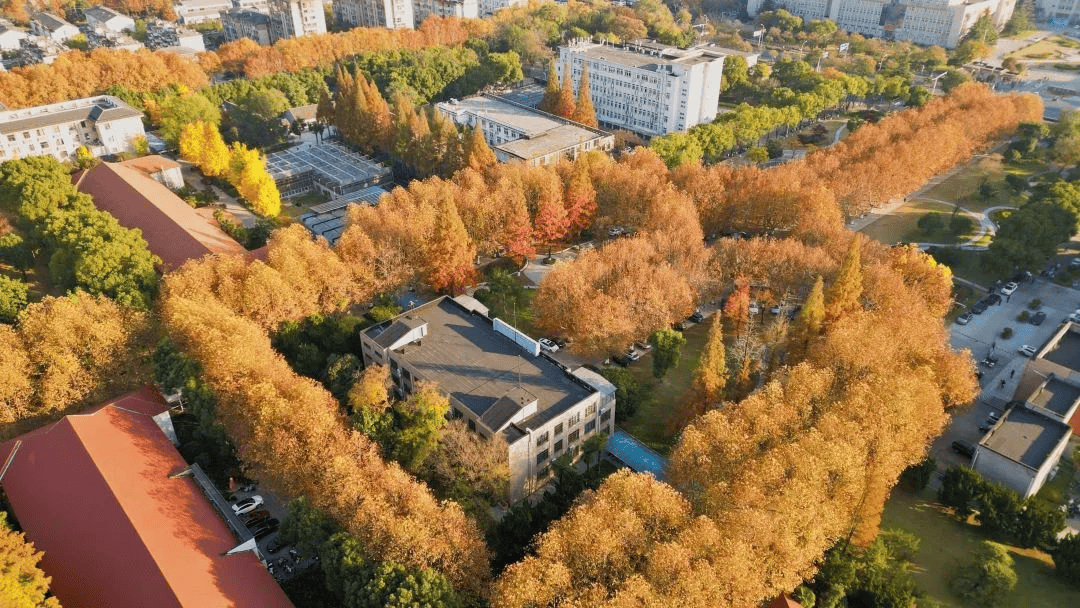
(647, 88)
(466, 9)
(237, 24)
(1058, 12)
(488, 7)
(393, 14)
(930, 22)
(295, 18)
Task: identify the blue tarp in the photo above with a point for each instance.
(635, 454)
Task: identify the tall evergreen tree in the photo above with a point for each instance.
(478, 154)
(843, 295)
(564, 106)
(551, 93)
(583, 111)
(809, 322)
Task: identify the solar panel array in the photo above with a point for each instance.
(333, 162)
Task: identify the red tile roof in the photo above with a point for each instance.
(151, 164)
(93, 492)
(172, 229)
(784, 601)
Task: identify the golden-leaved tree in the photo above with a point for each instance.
(22, 583)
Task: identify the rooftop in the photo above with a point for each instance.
(96, 492)
(101, 13)
(151, 164)
(559, 138)
(1025, 436)
(103, 108)
(50, 21)
(328, 219)
(307, 112)
(644, 55)
(332, 161)
(1056, 396)
(1066, 350)
(478, 366)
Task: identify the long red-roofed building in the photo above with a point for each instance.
(173, 230)
(96, 493)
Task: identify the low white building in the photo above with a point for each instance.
(466, 9)
(108, 19)
(648, 88)
(497, 381)
(198, 11)
(11, 37)
(517, 132)
(929, 22)
(52, 27)
(104, 124)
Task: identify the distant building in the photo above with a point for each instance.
(392, 14)
(173, 230)
(11, 37)
(466, 9)
(488, 7)
(53, 27)
(263, 6)
(295, 18)
(1023, 448)
(517, 132)
(497, 380)
(329, 168)
(304, 115)
(929, 22)
(647, 88)
(166, 35)
(107, 18)
(162, 170)
(237, 24)
(104, 124)
(198, 11)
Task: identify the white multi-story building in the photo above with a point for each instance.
(11, 37)
(52, 27)
(1058, 12)
(295, 18)
(393, 14)
(647, 88)
(263, 6)
(104, 124)
(497, 380)
(237, 24)
(517, 132)
(107, 19)
(198, 11)
(940, 22)
(488, 7)
(467, 9)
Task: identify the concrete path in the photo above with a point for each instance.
(986, 227)
(193, 178)
(839, 133)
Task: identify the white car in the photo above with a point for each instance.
(247, 505)
(1074, 317)
(548, 345)
(754, 308)
(1027, 351)
(615, 231)
(1008, 289)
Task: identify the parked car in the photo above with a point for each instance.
(963, 448)
(985, 428)
(993, 417)
(643, 346)
(1074, 317)
(548, 345)
(255, 516)
(1038, 318)
(993, 299)
(1027, 351)
(268, 526)
(247, 487)
(754, 308)
(620, 360)
(632, 355)
(615, 231)
(979, 307)
(264, 532)
(697, 317)
(775, 310)
(1009, 289)
(274, 545)
(248, 505)
(964, 319)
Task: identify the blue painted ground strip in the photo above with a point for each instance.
(635, 454)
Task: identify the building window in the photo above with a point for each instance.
(572, 437)
(590, 409)
(558, 429)
(605, 416)
(456, 413)
(558, 446)
(576, 418)
(590, 426)
(542, 439)
(472, 424)
(541, 457)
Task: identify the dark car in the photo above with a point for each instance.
(620, 360)
(255, 516)
(985, 428)
(697, 317)
(1038, 318)
(274, 546)
(993, 299)
(963, 448)
(267, 526)
(979, 307)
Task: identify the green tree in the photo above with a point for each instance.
(1020, 22)
(592, 447)
(667, 348)
(988, 577)
(918, 475)
(1065, 138)
(983, 30)
(306, 527)
(22, 583)
(419, 421)
(678, 148)
(342, 370)
(960, 488)
(13, 298)
(550, 99)
(736, 73)
(14, 250)
(629, 393)
(1030, 235)
(255, 119)
(179, 111)
(1067, 558)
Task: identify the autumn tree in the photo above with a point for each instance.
(580, 199)
(564, 104)
(247, 171)
(810, 320)
(550, 101)
(202, 145)
(583, 109)
(478, 154)
(843, 295)
(13, 298)
(450, 254)
(22, 583)
(709, 381)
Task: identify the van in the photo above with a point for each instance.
(963, 448)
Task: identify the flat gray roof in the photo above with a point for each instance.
(645, 61)
(1066, 352)
(332, 161)
(477, 366)
(559, 138)
(1056, 396)
(50, 22)
(1025, 436)
(104, 112)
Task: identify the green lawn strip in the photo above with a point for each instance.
(963, 186)
(946, 543)
(902, 224)
(1055, 490)
(969, 265)
(650, 422)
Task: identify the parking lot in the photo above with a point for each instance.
(284, 562)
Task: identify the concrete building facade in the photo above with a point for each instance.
(295, 18)
(237, 24)
(929, 22)
(647, 88)
(104, 124)
(52, 27)
(198, 11)
(497, 381)
(517, 132)
(11, 37)
(488, 7)
(465, 9)
(392, 14)
(106, 18)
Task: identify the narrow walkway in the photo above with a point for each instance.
(986, 227)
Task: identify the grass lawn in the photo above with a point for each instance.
(963, 186)
(946, 543)
(969, 265)
(902, 224)
(1054, 47)
(650, 422)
